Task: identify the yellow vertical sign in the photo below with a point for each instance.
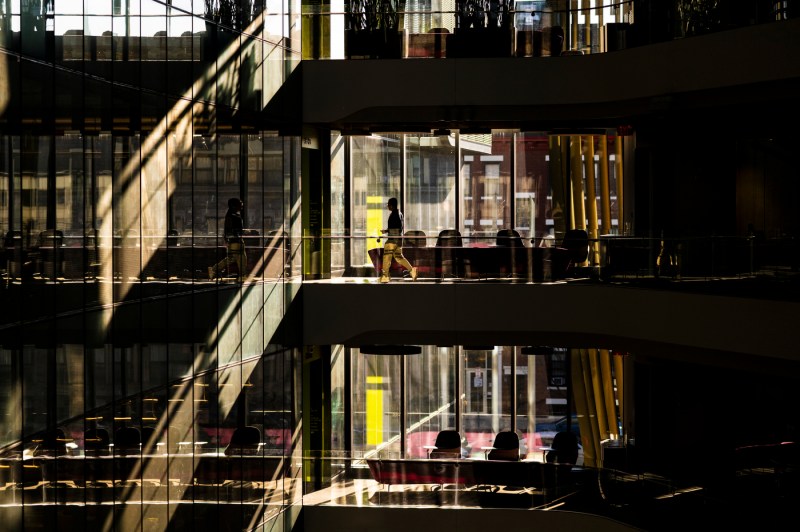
(374, 410)
(376, 209)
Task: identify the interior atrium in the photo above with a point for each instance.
(206, 320)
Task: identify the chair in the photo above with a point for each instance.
(447, 445)
(245, 441)
(512, 255)
(505, 447)
(576, 246)
(96, 442)
(414, 248)
(51, 255)
(127, 440)
(577, 242)
(415, 238)
(53, 443)
(509, 238)
(448, 254)
(564, 449)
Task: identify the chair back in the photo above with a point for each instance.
(506, 446)
(564, 449)
(449, 238)
(244, 441)
(53, 443)
(96, 442)
(448, 444)
(509, 238)
(127, 440)
(577, 242)
(415, 238)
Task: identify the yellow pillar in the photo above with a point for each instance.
(620, 182)
(587, 25)
(576, 174)
(619, 373)
(585, 406)
(591, 201)
(600, 23)
(374, 410)
(608, 393)
(598, 387)
(605, 194)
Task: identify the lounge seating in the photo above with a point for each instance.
(505, 447)
(564, 449)
(245, 441)
(447, 445)
(436, 472)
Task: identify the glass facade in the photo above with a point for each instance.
(505, 180)
(134, 386)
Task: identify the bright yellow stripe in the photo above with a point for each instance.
(374, 412)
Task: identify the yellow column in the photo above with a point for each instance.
(600, 23)
(599, 400)
(591, 201)
(576, 174)
(587, 25)
(608, 393)
(619, 373)
(374, 410)
(605, 194)
(584, 406)
(620, 182)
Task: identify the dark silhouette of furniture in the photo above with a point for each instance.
(436, 472)
(127, 441)
(564, 449)
(576, 242)
(52, 443)
(415, 244)
(519, 474)
(245, 441)
(447, 445)
(448, 253)
(51, 254)
(96, 442)
(505, 447)
(513, 258)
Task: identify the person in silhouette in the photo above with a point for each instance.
(392, 248)
(234, 241)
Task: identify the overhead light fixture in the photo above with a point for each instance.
(390, 349)
(478, 348)
(537, 350)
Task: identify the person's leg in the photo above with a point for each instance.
(237, 255)
(388, 255)
(400, 258)
(242, 263)
(213, 270)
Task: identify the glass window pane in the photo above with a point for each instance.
(430, 398)
(532, 197)
(487, 394)
(430, 183)
(375, 170)
(376, 405)
(485, 185)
